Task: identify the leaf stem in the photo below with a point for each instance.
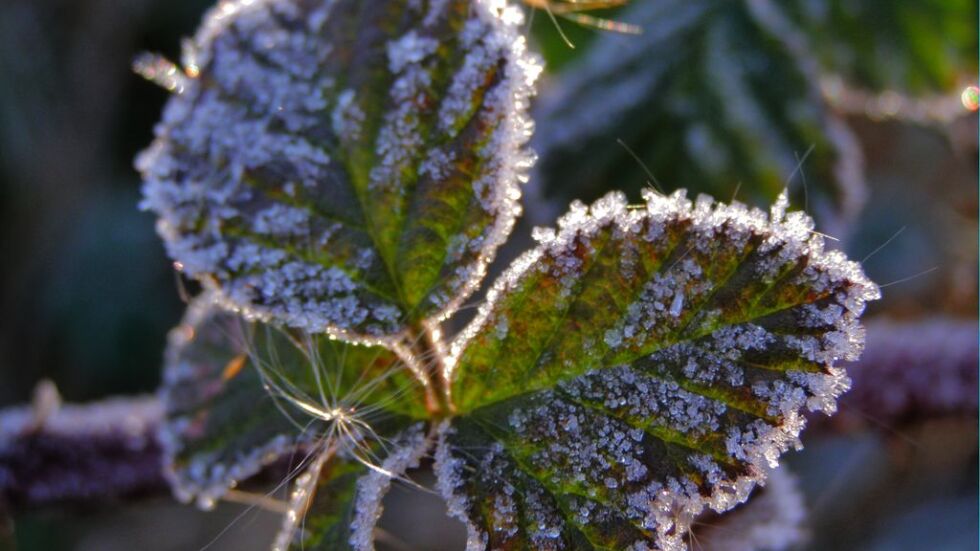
(424, 352)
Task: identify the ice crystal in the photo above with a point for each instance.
(302, 493)
(409, 448)
(402, 453)
(131, 419)
(449, 481)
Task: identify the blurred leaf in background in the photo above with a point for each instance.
(560, 40)
(725, 96)
(917, 47)
(706, 97)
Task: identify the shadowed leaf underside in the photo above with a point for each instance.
(239, 396)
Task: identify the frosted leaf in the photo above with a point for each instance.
(724, 104)
(238, 396)
(612, 413)
(336, 502)
(347, 166)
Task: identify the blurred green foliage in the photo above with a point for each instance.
(915, 46)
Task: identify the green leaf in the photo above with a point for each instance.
(336, 502)
(239, 396)
(347, 166)
(706, 98)
(919, 47)
(641, 364)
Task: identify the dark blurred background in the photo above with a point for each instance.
(87, 294)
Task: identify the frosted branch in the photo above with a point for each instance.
(916, 368)
(52, 454)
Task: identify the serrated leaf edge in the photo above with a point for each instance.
(793, 231)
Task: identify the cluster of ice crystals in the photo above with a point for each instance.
(399, 140)
(626, 392)
(771, 520)
(300, 496)
(347, 116)
(578, 446)
(601, 457)
(660, 304)
(523, 508)
(258, 133)
(492, 472)
(257, 110)
(716, 359)
(545, 518)
(132, 419)
(786, 239)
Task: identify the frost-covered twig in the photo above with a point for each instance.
(917, 368)
(892, 105)
(53, 455)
